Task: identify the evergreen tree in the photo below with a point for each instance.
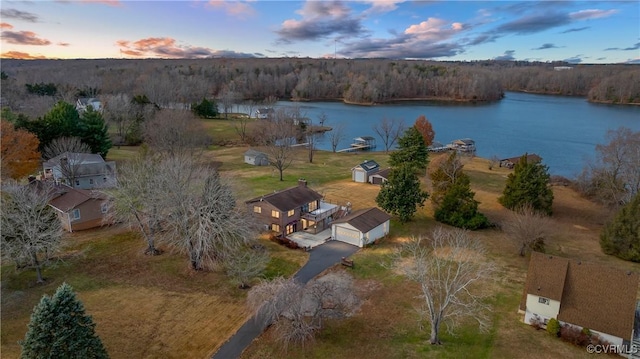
(411, 151)
(93, 131)
(61, 121)
(528, 185)
(445, 176)
(401, 194)
(458, 207)
(205, 109)
(621, 237)
(59, 328)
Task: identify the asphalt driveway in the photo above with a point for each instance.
(320, 258)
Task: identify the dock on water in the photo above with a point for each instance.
(360, 143)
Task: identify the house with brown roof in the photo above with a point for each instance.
(581, 294)
(79, 209)
(361, 227)
(513, 161)
(293, 209)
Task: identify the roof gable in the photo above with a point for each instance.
(290, 198)
(383, 173)
(365, 220)
(369, 165)
(591, 295)
(70, 198)
(74, 158)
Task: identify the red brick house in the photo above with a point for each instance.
(293, 209)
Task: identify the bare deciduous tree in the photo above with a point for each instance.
(118, 112)
(446, 266)
(447, 170)
(137, 198)
(297, 311)
(336, 135)
(175, 132)
(245, 264)
(527, 228)
(278, 137)
(31, 230)
(61, 145)
(389, 130)
(614, 177)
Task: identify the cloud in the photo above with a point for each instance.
(238, 9)
(574, 59)
(591, 14)
(575, 29)
(63, 44)
(115, 3)
(23, 38)
(399, 48)
(636, 46)
(4, 25)
(507, 56)
(434, 29)
(320, 19)
(18, 15)
(20, 55)
(546, 46)
(534, 23)
(166, 47)
(381, 6)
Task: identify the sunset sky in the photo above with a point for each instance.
(573, 31)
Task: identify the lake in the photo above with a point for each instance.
(562, 130)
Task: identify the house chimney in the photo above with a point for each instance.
(302, 182)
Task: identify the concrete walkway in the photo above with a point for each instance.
(320, 258)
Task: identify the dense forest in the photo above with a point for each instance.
(28, 85)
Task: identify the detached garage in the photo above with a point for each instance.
(361, 227)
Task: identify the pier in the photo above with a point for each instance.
(360, 143)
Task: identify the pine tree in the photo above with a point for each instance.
(205, 109)
(458, 207)
(411, 151)
(528, 185)
(401, 194)
(59, 328)
(621, 237)
(94, 132)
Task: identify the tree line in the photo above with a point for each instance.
(171, 82)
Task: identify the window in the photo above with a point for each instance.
(104, 207)
(104, 179)
(257, 209)
(313, 206)
(542, 300)
(275, 214)
(75, 214)
(90, 180)
(77, 182)
(291, 213)
(290, 228)
(275, 227)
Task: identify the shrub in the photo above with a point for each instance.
(537, 322)
(621, 236)
(553, 327)
(575, 335)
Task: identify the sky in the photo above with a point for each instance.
(572, 31)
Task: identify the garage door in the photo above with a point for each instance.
(348, 236)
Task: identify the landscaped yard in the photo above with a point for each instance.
(156, 307)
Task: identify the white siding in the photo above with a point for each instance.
(544, 311)
(376, 233)
(359, 175)
(345, 232)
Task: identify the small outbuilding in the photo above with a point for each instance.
(513, 161)
(380, 177)
(361, 227)
(361, 172)
(265, 113)
(256, 158)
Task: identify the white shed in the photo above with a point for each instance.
(256, 158)
(361, 227)
(361, 172)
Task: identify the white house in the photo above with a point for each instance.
(361, 227)
(380, 177)
(80, 170)
(581, 294)
(265, 113)
(83, 104)
(361, 172)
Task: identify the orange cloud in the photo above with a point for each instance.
(23, 38)
(21, 56)
(4, 25)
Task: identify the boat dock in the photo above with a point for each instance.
(360, 143)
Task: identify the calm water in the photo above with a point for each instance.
(562, 130)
